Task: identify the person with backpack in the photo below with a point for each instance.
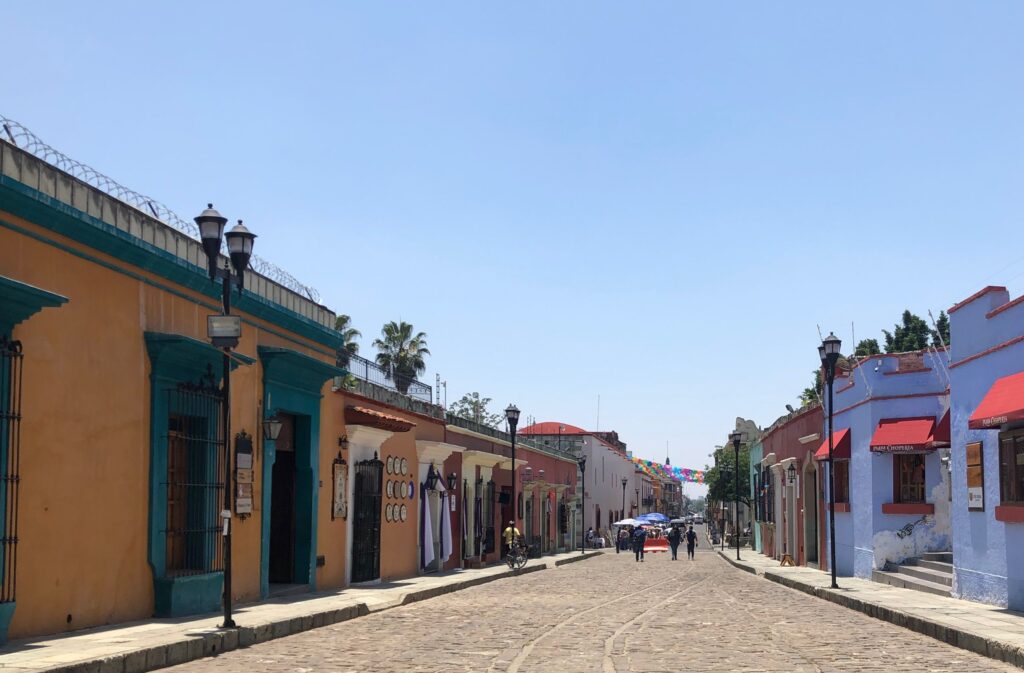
(691, 542)
(675, 536)
(639, 539)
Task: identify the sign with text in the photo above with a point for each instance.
(975, 477)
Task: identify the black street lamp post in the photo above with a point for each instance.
(512, 416)
(225, 334)
(624, 482)
(637, 503)
(828, 351)
(582, 462)
(725, 474)
(736, 437)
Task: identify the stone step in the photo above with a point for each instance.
(906, 582)
(927, 574)
(942, 556)
(936, 565)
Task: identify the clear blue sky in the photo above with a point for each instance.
(651, 202)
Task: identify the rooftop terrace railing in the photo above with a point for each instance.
(370, 371)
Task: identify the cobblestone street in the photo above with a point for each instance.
(611, 614)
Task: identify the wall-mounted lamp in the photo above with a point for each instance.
(791, 472)
(452, 480)
(272, 428)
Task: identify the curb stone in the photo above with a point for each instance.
(212, 643)
(964, 640)
(574, 559)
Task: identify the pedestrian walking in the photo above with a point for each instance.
(623, 538)
(639, 538)
(589, 538)
(675, 536)
(691, 543)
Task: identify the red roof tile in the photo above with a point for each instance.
(551, 428)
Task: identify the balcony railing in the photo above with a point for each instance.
(370, 371)
(522, 441)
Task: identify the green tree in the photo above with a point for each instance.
(912, 335)
(474, 408)
(867, 347)
(812, 393)
(349, 334)
(721, 479)
(400, 353)
(941, 329)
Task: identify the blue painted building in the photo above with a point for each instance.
(987, 417)
(890, 438)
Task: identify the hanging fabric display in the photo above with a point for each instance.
(446, 530)
(426, 532)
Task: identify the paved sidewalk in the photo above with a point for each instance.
(142, 646)
(988, 630)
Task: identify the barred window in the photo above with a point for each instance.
(1011, 467)
(195, 481)
(10, 434)
(842, 480)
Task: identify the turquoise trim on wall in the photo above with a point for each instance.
(215, 308)
(20, 301)
(190, 595)
(6, 615)
(292, 383)
(48, 212)
(175, 359)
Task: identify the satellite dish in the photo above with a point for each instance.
(789, 408)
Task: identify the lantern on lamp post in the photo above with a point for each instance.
(828, 351)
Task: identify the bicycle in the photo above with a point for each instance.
(516, 555)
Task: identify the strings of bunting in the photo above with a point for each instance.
(670, 471)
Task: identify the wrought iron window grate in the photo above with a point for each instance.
(195, 479)
(10, 444)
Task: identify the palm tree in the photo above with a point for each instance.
(400, 353)
(349, 334)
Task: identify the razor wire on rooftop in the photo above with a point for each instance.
(25, 140)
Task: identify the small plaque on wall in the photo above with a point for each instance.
(243, 499)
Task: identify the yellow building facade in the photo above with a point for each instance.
(113, 466)
(119, 463)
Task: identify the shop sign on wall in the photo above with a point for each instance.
(339, 506)
(243, 473)
(975, 477)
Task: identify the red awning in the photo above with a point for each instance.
(840, 446)
(903, 435)
(940, 436)
(1003, 403)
